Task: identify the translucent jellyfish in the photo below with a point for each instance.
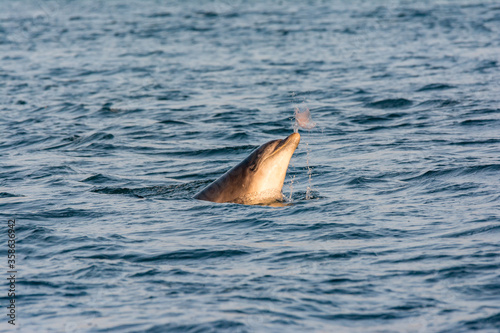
(303, 119)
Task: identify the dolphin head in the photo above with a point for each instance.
(267, 166)
(258, 179)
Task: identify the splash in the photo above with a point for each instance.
(290, 186)
(303, 119)
(309, 174)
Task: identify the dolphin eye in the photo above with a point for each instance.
(253, 167)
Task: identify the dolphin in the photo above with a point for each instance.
(258, 179)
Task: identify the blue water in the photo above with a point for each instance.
(115, 113)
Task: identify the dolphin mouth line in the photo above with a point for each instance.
(283, 143)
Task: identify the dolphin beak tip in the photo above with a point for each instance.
(295, 138)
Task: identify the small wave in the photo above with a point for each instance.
(100, 179)
(483, 111)
(37, 283)
(181, 255)
(436, 86)
(102, 245)
(150, 273)
(352, 234)
(476, 142)
(172, 122)
(208, 14)
(68, 212)
(478, 122)
(362, 316)
(195, 254)
(486, 64)
(295, 256)
(482, 323)
(390, 103)
(460, 271)
(168, 191)
(363, 181)
(210, 326)
(174, 95)
(457, 190)
(237, 136)
(224, 151)
(466, 170)
(128, 191)
(160, 15)
(340, 280)
(440, 103)
(37, 233)
(473, 231)
(91, 271)
(371, 119)
(9, 195)
(52, 171)
(417, 258)
(227, 116)
(212, 68)
(413, 13)
(76, 140)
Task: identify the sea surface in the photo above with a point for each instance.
(113, 114)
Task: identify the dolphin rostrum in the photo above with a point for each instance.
(258, 179)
